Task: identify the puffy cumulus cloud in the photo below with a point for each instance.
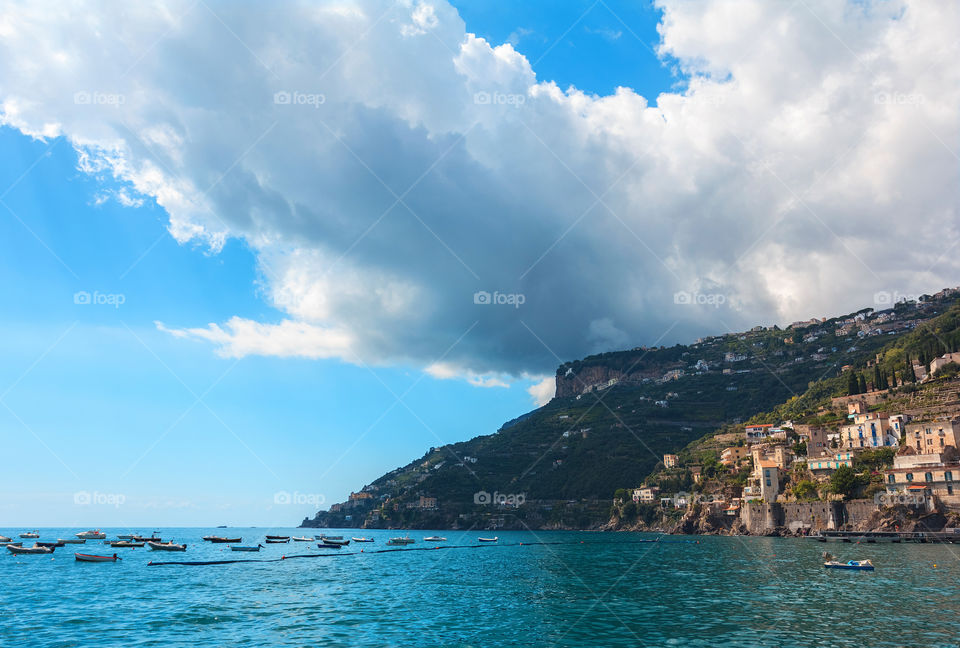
(543, 391)
(413, 192)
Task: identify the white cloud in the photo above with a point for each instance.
(543, 391)
(810, 163)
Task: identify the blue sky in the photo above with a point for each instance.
(287, 218)
(98, 401)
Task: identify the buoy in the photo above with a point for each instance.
(934, 565)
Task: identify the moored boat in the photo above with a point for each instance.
(327, 537)
(329, 545)
(299, 539)
(4, 538)
(126, 536)
(269, 541)
(221, 540)
(362, 539)
(153, 538)
(14, 549)
(166, 546)
(278, 537)
(434, 539)
(30, 534)
(48, 544)
(72, 540)
(93, 534)
(493, 539)
(242, 548)
(862, 565)
(401, 541)
(126, 544)
(94, 558)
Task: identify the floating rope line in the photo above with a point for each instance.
(383, 551)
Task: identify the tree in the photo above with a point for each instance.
(630, 510)
(806, 490)
(800, 449)
(853, 385)
(863, 384)
(844, 481)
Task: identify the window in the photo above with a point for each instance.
(928, 477)
(891, 479)
(909, 477)
(948, 476)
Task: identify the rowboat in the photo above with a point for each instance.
(71, 540)
(242, 548)
(139, 538)
(30, 534)
(92, 558)
(401, 541)
(494, 539)
(329, 545)
(14, 549)
(434, 539)
(166, 546)
(326, 537)
(94, 534)
(126, 536)
(269, 541)
(297, 539)
(362, 539)
(18, 543)
(4, 538)
(48, 544)
(126, 544)
(862, 565)
(277, 537)
(220, 540)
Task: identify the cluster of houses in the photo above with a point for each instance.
(926, 466)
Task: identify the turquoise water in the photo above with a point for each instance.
(594, 589)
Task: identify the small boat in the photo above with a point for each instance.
(30, 534)
(220, 540)
(434, 539)
(48, 544)
(269, 541)
(93, 534)
(92, 558)
(862, 565)
(326, 537)
(166, 546)
(4, 538)
(126, 544)
(127, 536)
(277, 537)
(242, 548)
(362, 539)
(329, 545)
(297, 539)
(401, 541)
(493, 539)
(14, 549)
(18, 543)
(153, 538)
(72, 540)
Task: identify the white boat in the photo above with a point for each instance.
(93, 534)
(126, 536)
(304, 539)
(434, 539)
(71, 540)
(30, 534)
(362, 539)
(166, 546)
(401, 541)
(493, 539)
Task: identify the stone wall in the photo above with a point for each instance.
(759, 518)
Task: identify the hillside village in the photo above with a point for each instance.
(892, 447)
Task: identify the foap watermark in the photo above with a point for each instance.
(887, 298)
(483, 498)
(296, 498)
(695, 298)
(484, 98)
(885, 498)
(86, 498)
(297, 98)
(97, 298)
(498, 298)
(899, 99)
(95, 98)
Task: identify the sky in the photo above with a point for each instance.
(253, 257)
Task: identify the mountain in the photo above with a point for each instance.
(615, 415)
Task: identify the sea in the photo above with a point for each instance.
(561, 588)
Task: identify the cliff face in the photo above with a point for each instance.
(571, 383)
